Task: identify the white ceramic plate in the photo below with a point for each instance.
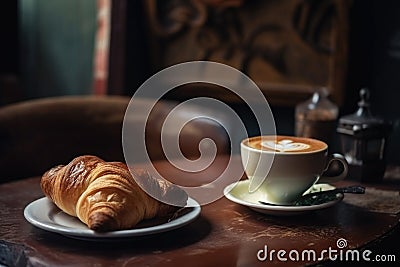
(43, 214)
(238, 193)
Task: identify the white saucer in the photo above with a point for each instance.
(238, 193)
(43, 214)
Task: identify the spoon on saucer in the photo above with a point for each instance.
(320, 197)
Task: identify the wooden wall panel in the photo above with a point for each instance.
(288, 47)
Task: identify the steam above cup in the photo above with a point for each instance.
(282, 168)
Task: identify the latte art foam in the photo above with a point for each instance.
(285, 145)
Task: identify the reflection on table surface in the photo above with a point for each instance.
(225, 234)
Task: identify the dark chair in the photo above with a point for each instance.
(36, 135)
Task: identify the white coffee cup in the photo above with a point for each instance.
(282, 168)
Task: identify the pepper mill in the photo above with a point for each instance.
(363, 142)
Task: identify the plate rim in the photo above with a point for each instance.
(289, 209)
(51, 226)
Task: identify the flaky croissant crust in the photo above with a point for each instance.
(106, 196)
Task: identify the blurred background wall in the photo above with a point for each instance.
(47, 49)
(56, 46)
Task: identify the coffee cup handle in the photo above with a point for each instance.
(341, 176)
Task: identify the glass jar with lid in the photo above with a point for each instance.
(317, 117)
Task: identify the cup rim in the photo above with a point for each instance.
(283, 153)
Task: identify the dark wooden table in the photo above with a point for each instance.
(225, 234)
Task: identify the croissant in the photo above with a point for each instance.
(105, 196)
